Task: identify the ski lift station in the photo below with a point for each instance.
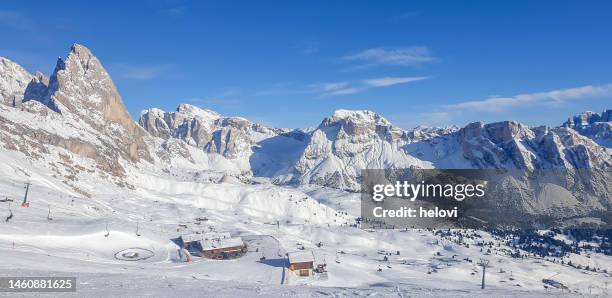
(301, 263)
(212, 245)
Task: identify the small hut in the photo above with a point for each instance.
(301, 263)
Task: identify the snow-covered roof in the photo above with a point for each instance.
(301, 257)
(216, 235)
(221, 243)
(191, 237)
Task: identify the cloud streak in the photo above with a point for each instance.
(500, 104)
(390, 81)
(338, 88)
(404, 56)
(347, 88)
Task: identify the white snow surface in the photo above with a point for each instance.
(272, 220)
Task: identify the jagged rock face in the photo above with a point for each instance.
(13, 82)
(231, 137)
(78, 109)
(360, 125)
(495, 145)
(597, 127)
(513, 145)
(345, 144)
(81, 86)
(348, 142)
(587, 118)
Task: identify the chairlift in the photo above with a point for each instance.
(10, 213)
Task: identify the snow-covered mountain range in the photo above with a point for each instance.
(97, 176)
(79, 109)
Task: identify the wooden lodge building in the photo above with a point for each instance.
(301, 263)
(218, 246)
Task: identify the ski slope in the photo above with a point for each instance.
(83, 236)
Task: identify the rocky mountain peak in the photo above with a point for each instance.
(595, 126)
(354, 117)
(80, 85)
(360, 124)
(191, 111)
(498, 132)
(205, 129)
(588, 117)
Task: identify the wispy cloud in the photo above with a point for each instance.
(405, 56)
(15, 20)
(330, 86)
(141, 72)
(389, 81)
(346, 88)
(337, 88)
(345, 91)
(500, 104)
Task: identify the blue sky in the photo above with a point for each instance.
(290, 63)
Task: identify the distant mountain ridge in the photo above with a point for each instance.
(594, 126)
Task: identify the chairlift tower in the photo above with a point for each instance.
(25, 203)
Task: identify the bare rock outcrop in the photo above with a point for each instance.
(230, 137)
